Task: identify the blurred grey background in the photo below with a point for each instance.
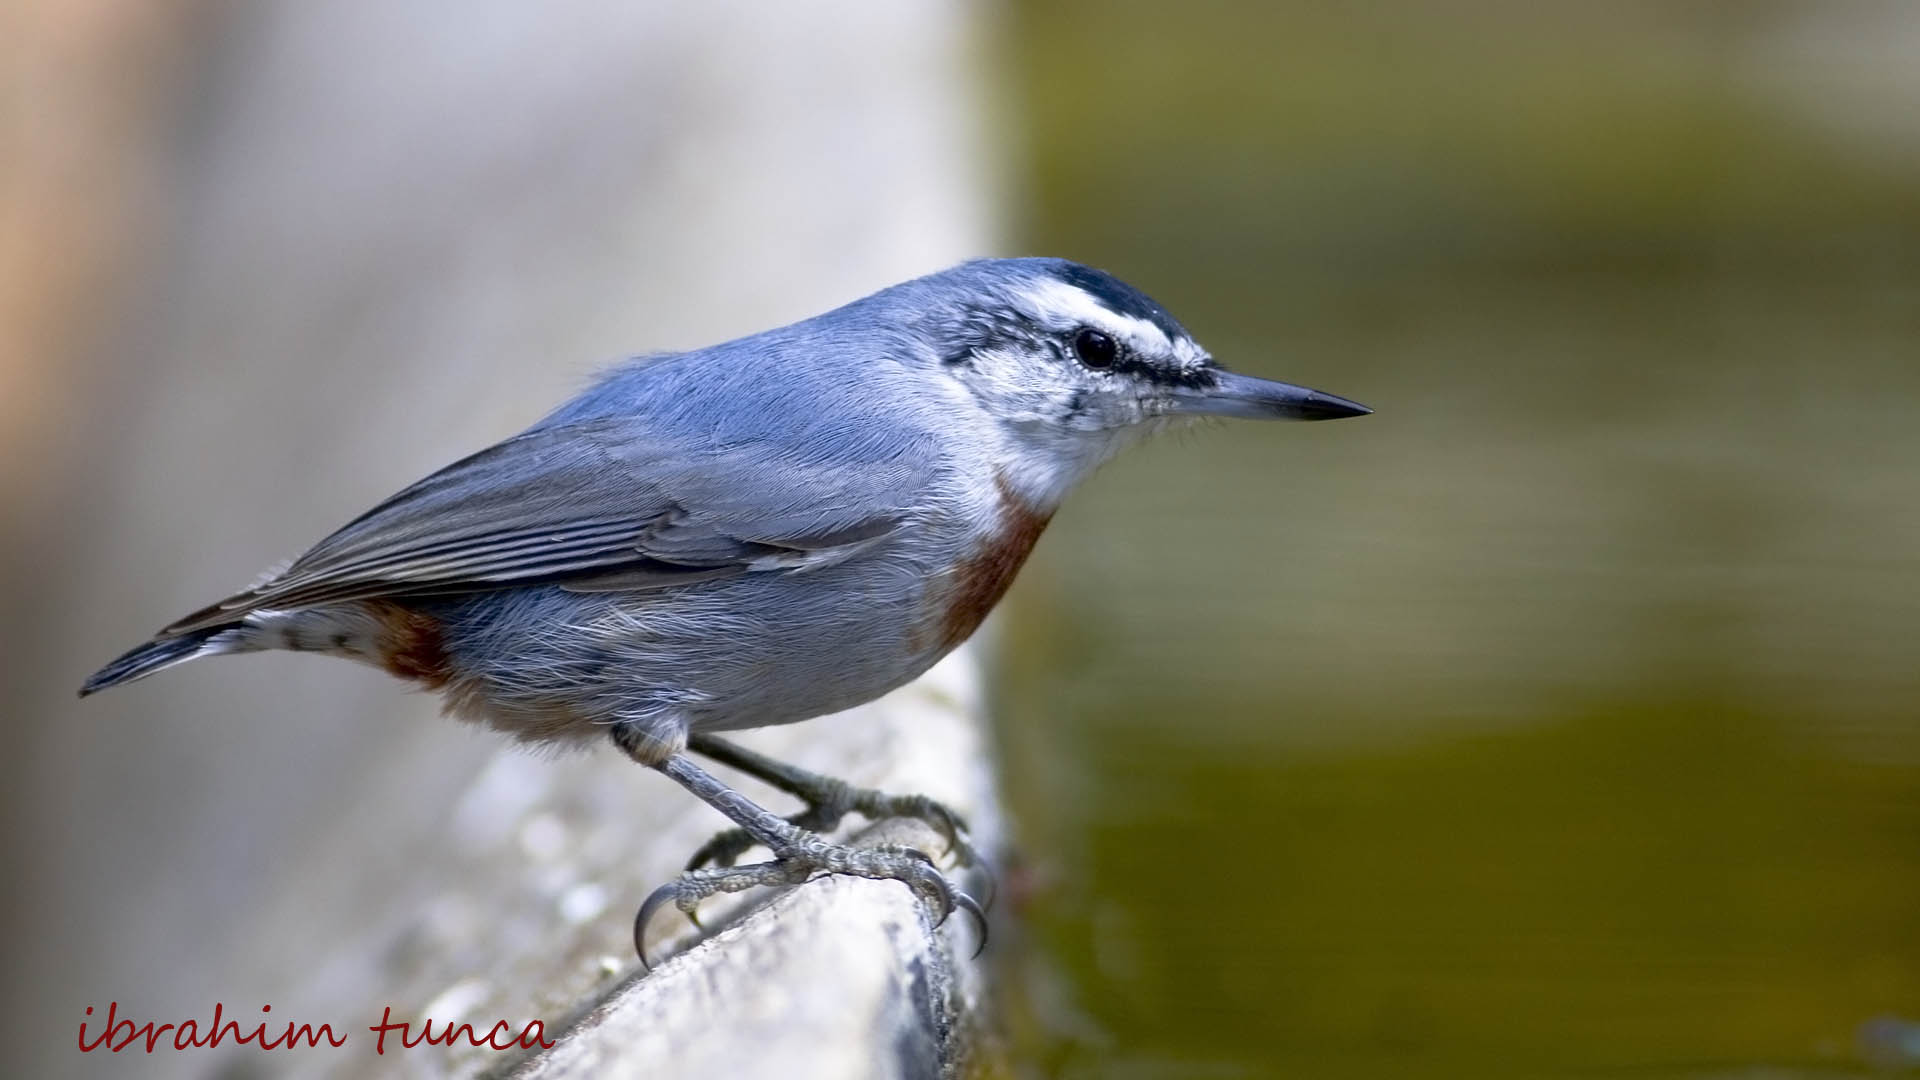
(1558, 719)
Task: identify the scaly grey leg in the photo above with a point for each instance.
(828, 801)
(798, 855)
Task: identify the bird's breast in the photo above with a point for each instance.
(961, 598)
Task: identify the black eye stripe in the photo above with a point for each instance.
(1095, 349)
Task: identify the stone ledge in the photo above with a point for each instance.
(838, 978)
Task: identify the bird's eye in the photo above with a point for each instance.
(1095, 349)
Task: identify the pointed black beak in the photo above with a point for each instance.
(1262, 399)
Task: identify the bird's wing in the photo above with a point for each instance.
(593, 506)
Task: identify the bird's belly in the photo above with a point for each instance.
(745, 652)
(749, 651)
(818, 650)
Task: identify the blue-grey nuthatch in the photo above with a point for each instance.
(755, 533)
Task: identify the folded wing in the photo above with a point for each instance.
(594, 505)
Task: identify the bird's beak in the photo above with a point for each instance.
(1262, 399)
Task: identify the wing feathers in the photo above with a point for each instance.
(594, 506)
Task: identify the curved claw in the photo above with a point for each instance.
(943, 820)
(949, 825)
(648, 909)
(952, 899)
(966, 903)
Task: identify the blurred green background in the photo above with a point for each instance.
(1561, 716)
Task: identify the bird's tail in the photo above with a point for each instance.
(153, 656)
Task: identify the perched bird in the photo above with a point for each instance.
(755, 533)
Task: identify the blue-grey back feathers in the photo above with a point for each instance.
(577, 502)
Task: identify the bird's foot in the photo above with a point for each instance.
(798, 858)
(828, 802)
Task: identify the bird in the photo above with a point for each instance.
(759, 532)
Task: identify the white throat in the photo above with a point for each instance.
(1042, 465)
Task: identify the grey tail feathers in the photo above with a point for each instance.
(151, 657)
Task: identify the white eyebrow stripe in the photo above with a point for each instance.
(1063, 305)
(1190, 356)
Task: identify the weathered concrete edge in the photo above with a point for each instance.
(840, 977)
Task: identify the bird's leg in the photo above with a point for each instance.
(828, 801)
(798, 855)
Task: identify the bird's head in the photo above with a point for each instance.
(1074, 363)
